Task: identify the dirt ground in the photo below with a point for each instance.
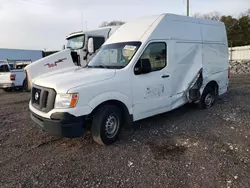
(187, 147)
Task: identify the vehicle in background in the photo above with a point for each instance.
(76, 54)
(12, 74)
(78, 42)
(149, 66)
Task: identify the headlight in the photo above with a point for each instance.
(66, 100)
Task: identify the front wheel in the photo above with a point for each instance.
(106, 124)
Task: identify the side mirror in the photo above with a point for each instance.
(143, 66)
(91, 45)
(63, 47)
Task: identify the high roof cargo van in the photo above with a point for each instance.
(149, 66)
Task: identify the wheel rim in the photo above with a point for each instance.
(112, 125)
(209, 99)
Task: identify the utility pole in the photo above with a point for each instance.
(187, 7)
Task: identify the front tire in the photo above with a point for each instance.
(106, 124)
(25, 86)
(208, 98)
(7, 89)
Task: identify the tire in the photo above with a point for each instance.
(7, 89)
(208, 98)
(25, 86)
(101, 133)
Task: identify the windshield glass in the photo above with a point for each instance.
(75, 42)
(117, 55)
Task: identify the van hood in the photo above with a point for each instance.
(55, 62)
(63, 81)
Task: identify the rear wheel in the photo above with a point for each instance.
(208, 98)
(7, 89)
(106, 124)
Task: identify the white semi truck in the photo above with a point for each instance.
(148, 66)
(75, 54)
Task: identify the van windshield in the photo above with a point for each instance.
(116, 55)
(76, 42)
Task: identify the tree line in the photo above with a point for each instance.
(238, 28)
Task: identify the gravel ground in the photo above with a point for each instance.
(240, 67)
(187, 147)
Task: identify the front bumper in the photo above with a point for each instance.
(60, 124)
(6, 85)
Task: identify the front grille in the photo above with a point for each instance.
(43, 98)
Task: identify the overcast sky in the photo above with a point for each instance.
(40, 24)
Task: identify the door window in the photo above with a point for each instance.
(98, 42)
(156, 54)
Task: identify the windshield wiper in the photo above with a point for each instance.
(97, 66)
(103, 66)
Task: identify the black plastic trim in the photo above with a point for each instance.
(46, 99)
(61, 124)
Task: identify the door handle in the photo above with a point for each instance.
(165, 76)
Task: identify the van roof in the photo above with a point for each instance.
(169, 26)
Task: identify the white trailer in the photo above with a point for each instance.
(76, 54)
(148, 66)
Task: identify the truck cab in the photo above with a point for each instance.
(77, 42)
(75, 54)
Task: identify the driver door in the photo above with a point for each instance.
(151, 91)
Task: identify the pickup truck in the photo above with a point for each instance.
(12, 75)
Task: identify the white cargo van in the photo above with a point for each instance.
(12, 75)
(76, 54)
(148, 66)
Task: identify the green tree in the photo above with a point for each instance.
(238, 29)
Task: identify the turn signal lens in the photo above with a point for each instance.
(74, 99)
(68, 100)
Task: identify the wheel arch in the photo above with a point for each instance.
(213, 84)
(127, 118)
(114, 98)
(111, 96)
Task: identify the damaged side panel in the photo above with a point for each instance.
(215, 65)
(187, 64)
